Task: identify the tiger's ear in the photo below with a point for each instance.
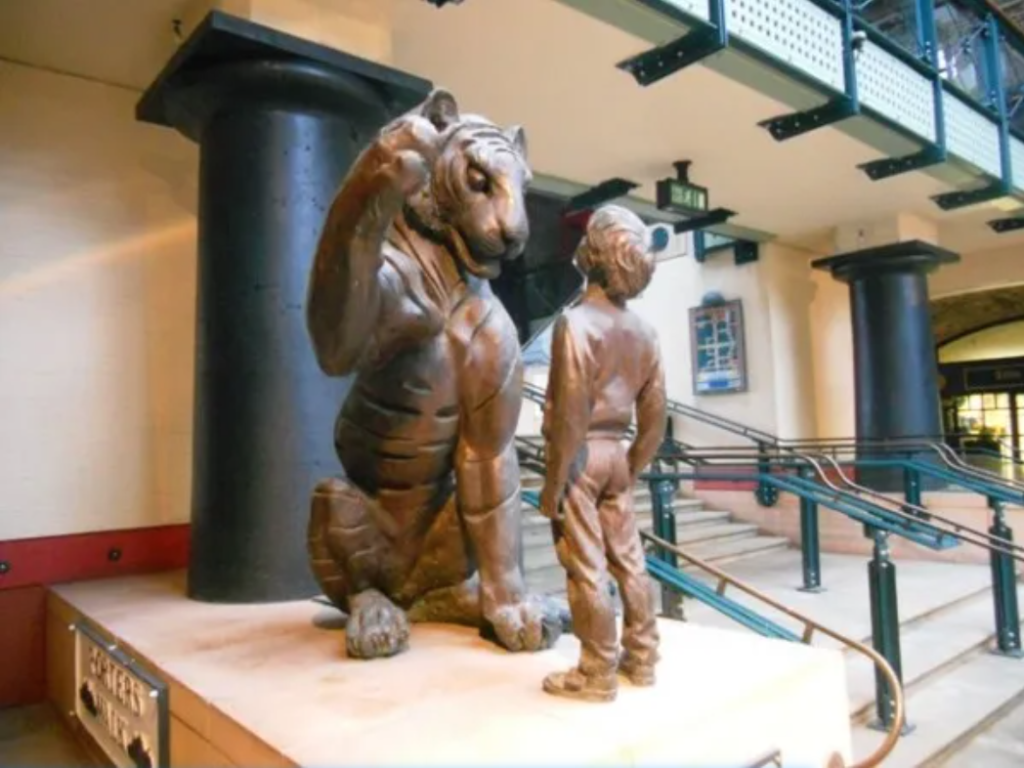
(441, 109)
(517, 135)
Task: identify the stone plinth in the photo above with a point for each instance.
(269, 685)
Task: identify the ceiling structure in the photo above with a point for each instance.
(957, 316)
(541, 64)
(1012, 9)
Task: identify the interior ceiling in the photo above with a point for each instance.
(1012, 9)
(959, 315)
(541, 64)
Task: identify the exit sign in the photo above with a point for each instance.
(681, 197)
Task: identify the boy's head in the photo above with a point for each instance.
(615, 252)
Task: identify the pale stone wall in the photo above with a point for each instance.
(97, 310)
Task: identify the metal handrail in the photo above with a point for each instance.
(922, 516)
(954, 459)
(896, 443)
(910, 513)
(773, 756)
(810, 627)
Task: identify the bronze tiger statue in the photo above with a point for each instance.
(425, 526)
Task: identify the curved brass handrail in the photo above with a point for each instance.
(773, 756)
(810, 628)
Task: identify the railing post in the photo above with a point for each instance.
(885, 628)
(1004, 586)
(810, 545)
(765, 494)
(912, 486)
(663, 515)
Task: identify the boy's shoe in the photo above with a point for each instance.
(640, 675)
(575, 685)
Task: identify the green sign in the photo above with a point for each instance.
(681, 197)
(690, 197)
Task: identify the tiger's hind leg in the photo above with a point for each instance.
(445, 584)
(348, 553)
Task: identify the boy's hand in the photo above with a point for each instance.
(551, 503)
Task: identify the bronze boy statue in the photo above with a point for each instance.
(604, 361)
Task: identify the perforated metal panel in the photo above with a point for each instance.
(794, 31)
(698, 8)
(970, 135)
(1017, 162)
(888, 85)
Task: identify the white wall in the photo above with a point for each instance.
(678, 285)
(1005, 340)
(97, 293)
(832, 351)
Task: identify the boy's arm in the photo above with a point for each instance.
(566, 412)
(651, 413)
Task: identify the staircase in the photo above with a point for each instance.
(709, 534)
(963, 702)
(956, 691)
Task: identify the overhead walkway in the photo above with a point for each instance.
(933, 85)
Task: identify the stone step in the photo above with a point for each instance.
(730, 551)
(929, 645)
(950, 709)
(999, 745)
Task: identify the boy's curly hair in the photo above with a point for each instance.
(615, 252)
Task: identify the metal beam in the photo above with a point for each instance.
(704, 39)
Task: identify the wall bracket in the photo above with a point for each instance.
(708, 244)
(950, 201)
(1001, 226)
(710, 219)
(604, 192)
(887, 167)
(795, 124)
(704, 39)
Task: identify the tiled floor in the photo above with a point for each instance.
(35, 737)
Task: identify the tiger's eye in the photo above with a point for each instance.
(477, 180)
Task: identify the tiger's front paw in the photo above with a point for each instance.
(525, 625)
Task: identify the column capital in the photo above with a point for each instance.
(914, 256)
(228, 59)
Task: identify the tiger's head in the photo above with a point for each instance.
(475, 199)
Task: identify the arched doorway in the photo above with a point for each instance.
(980, 349)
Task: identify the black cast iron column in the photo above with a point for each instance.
(895, 368)
(278, 121)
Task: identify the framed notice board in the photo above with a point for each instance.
(717, 348)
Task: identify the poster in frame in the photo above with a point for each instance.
(718, 348)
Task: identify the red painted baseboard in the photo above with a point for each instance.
(708, 483)
(28, 566)
(22, 646)
(103, 554)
